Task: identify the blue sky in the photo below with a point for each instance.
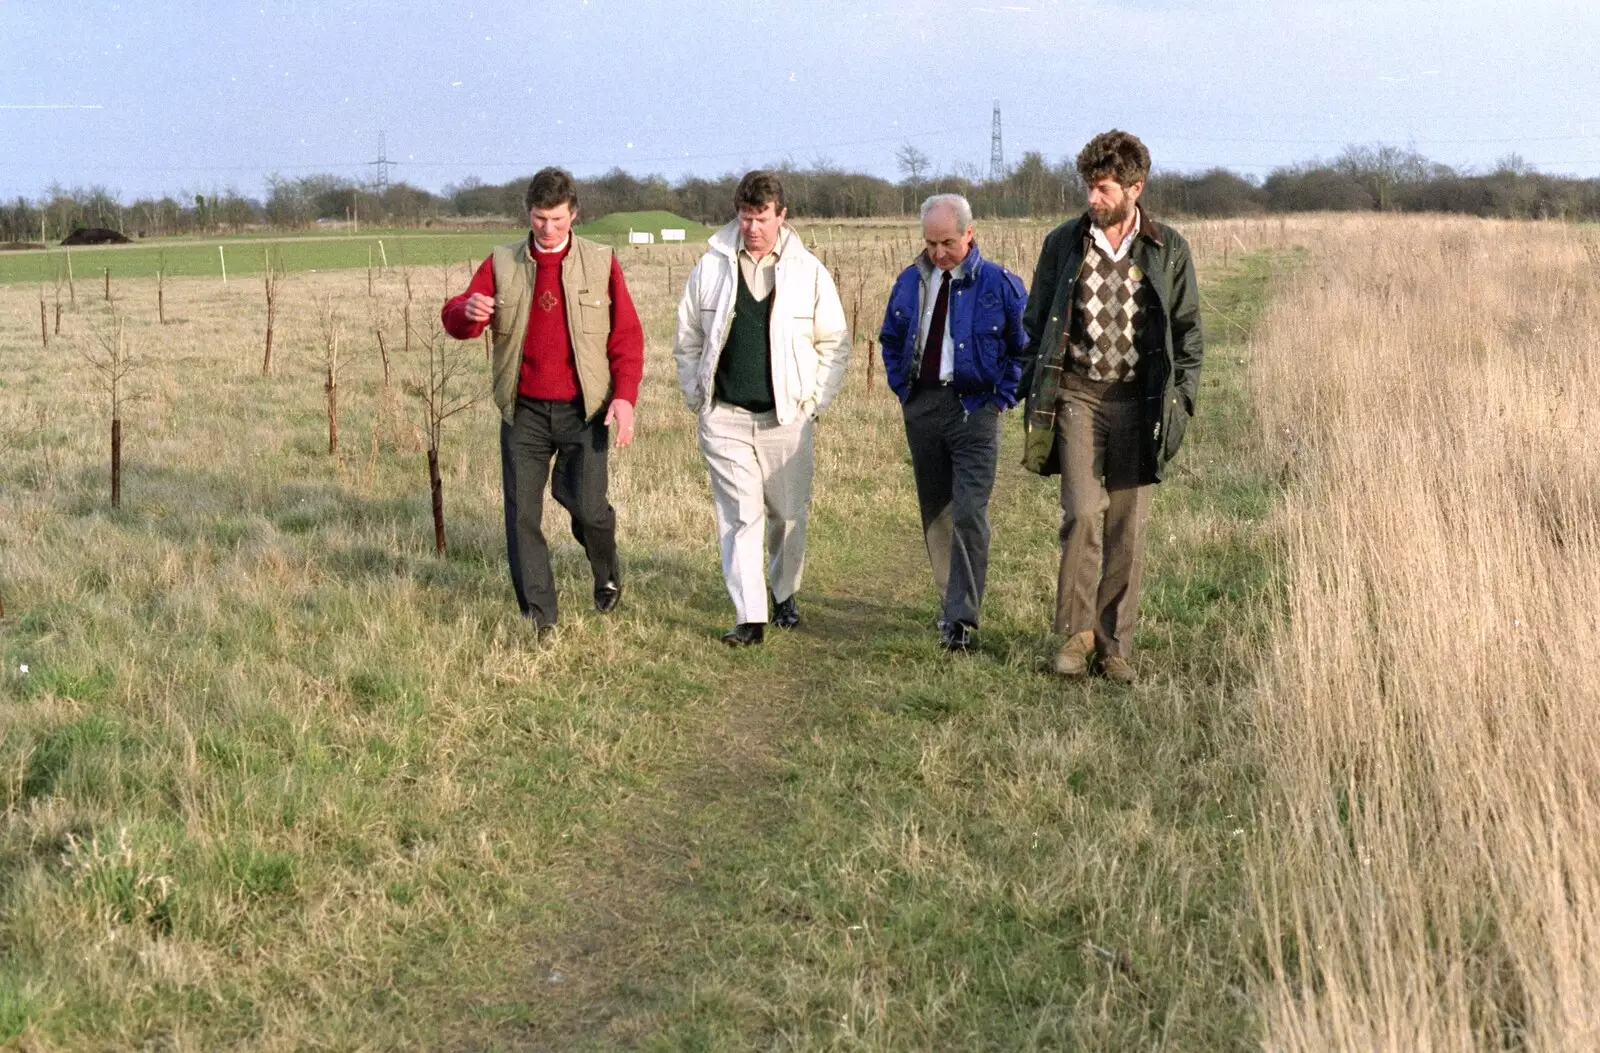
(170, 96)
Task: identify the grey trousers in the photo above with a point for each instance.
(1103, 516)
(953, 457)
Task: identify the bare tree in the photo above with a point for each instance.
(1381, 169)
(113, 359)
(444, 391)
(378, 317)
(60, 280)
(273, 281)
(331, 329)
(913, 164)
(405, 311)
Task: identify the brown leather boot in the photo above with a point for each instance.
(1073, 661)
(1118, 670)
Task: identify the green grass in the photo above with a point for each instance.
(278, 777)
(245, 256)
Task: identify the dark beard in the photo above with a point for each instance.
(1112, 216)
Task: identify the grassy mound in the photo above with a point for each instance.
(617, 225)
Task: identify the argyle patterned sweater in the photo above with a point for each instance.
(1109, 314)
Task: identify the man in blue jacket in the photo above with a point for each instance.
(953, 350)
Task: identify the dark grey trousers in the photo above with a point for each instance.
(540, 431)
(953, 457)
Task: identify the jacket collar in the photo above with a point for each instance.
(969, 264)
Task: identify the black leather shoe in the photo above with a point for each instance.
(745, 634)
(786, 615)
(607, 595)
(956, 636)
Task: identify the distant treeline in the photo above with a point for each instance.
(1362, 178)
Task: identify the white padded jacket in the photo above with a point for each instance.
(807, 332)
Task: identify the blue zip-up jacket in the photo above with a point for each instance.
(985, 325)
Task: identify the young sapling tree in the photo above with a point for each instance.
(443, 391)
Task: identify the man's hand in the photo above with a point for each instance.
(621, 414)
(479, 308)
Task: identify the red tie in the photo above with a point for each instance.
(933, 348)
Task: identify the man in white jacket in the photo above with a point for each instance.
(762, 348)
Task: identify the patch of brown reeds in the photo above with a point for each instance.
(1428, 865)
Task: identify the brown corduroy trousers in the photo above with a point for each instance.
(1103, 514)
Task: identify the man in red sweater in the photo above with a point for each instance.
(568, 358)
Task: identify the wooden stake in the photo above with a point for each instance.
(108, 285)
(72, 287)
(224, 258)
(44, 328)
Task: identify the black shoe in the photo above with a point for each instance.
(786, 615)
(745, 633)
(956, 636)
(607, 595)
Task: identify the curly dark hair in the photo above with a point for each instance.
(1116, 154)
(551, 187)
(758, 189)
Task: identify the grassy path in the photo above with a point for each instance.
(873, 845)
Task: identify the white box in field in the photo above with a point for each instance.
(672, 235)
(641, 237)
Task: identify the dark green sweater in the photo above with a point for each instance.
(744, 372)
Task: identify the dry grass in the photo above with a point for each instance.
(1429, 843)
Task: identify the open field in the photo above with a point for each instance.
(278, 777)
(313, 250)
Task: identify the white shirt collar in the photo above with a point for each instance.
(957, 272)
(1116, 252)
(534, 243)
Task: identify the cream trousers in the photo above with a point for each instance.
(761, 487)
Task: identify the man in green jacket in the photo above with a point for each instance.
(1113, 319)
